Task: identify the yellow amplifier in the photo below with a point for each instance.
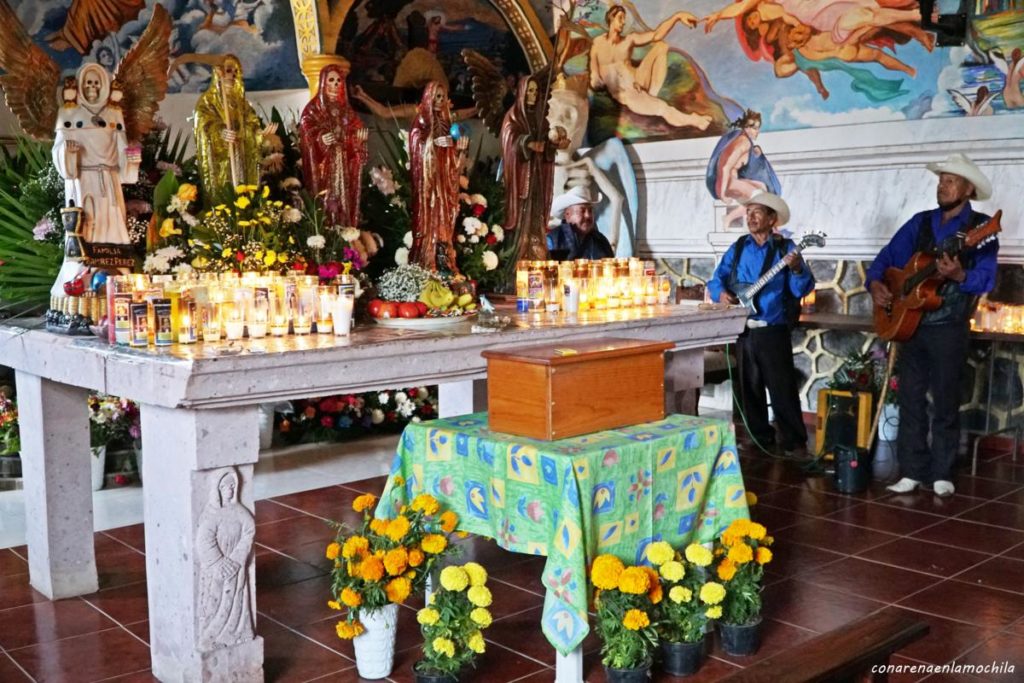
(844, 419)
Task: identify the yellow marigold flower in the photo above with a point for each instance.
(680, 594)
(378, 526)
(476, 642)
(416, 557)
(659, 553)
(434, 543)
(751, 499)
(713, 612)
(351, 598)
(353, 569)
(428, 616)
(654, 592)
(763, 555)
(481, 617)
(768, 540)
(398, 589)
(728, 540)
(479, 596)
(396, 561)
(372, 569)
(635, 620)
(398, 528)
(712, 593)
(425, 503)
(698, 555)
(741, 553)
(634, 580)
(606, 571)
(333, 549)
(477, 574)
(739, 527)
(187, 192)
(355, 545)
(454, 579)
(443, 646)
(449, 520)
(673, 571)
(364, 502)
(347, 631)
(726, 569)
(333, 604)
(757, 531)
(242, 202)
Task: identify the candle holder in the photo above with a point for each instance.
(344, 304)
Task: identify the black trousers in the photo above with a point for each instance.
(933, 360)
(766, 361)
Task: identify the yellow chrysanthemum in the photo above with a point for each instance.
(444, 646)
(673, 571)
(355, 545)
(225, 253)
(477, 574)
(479, 596)
(698, 555)
(372, 569)
(398, 589)
(426, 504)
(428, 616)
(726, 569)
(396, 561)
(242, 202)
(416, 557)
(476, 642)
(187, 192)
(283, 256)
(763, 555)
(270, 257)
(449, 520)
(713, 612)
(434, 543)
(741, 553)
(635, 620)
(634, 580)
(659, 553)
(347, 631)
(454, 579)
(712, 593)
(364, 502)
(481, 617)
(397, 528)
(680, 594)
(350, 598)
(606, 571)
(334, 604)
(333, 550)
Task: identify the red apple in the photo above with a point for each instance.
(408, 309)
(373, 308)
(388, 309)
(422, 308)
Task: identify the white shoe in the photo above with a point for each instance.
(943, 488)
(904, 485)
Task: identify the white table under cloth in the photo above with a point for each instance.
(200, 422)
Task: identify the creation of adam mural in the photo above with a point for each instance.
(657, 72)
(260, 33)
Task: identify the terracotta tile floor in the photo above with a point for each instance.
(957, 564)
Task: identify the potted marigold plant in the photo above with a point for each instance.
(452, 624)
(742, 551)
(690, 601)
(377, 567)
(624, 598)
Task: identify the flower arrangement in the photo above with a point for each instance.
(453, 620)
(892, 396)
(625, 598)
(385, 561)
(742, 551)
(112, 420)
(690, 600)
(10, 443)
(337, 417)
(856, 373)
(403, 283)
(481, 248)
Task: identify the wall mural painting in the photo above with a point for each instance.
(656, 72)
(259, 32)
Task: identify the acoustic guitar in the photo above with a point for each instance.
(747, 292)
(915, 286)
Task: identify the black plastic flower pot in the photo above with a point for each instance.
(432, 676)
(640, 674)
(740, 640)
(682, 659)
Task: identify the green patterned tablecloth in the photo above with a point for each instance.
(676, 480)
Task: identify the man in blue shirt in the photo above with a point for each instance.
(933, 359)
(765, 349)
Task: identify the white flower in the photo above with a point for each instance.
(316, 242)
(460, 239)
(291, 215)
(383, 180)
(482, 229)
(401, 397)
(183, 269)
(383, 397)
(407, 239)
(189, 219)
(169, 253)
(474, 238)
(471, 225)
(402, 256)
(350, 234)
(499, 233)
(155, 263)
(478, 199)
(423, 393)
(377, 416)
(407, 409)
(490, 260)
(176, 205)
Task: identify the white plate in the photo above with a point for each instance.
(424, 323)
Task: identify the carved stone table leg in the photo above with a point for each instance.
(54, 421)
(461, 398)
(199, 526)
(684, 371)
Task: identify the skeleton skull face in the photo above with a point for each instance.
(440, 99)
(333, 84)
(230, 73)
(531, 93)
(91, 88)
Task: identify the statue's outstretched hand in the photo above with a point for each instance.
(328, 138)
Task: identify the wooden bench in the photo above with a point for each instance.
(846, 654)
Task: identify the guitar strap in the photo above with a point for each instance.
(955, 304)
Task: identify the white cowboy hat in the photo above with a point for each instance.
(580, 194)
(772, 201)
(961, 165)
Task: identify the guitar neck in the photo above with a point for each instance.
(766, 278)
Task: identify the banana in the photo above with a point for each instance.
(465, 299)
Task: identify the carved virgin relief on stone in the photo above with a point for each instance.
(224, 539)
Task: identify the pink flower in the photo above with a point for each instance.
(326, 421)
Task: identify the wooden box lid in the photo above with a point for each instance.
(577, 351)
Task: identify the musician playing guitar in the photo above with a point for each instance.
(934, 356)
(765, 349)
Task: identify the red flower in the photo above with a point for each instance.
(327, 421)
(239, 256)
(329, 405)
(391, 416)
(426, 409)
(299, 266)
(478, 210)
(491, 239)
(120, 480)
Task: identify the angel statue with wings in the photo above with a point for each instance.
(95, 132)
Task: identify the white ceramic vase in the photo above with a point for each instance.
(98, 459)
(375, 647)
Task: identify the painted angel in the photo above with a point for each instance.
(95, 136)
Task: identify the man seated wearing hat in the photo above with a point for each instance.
(765, 349)
(577, 237)
(933, 359)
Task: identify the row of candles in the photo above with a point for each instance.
(583, 285)
(165, 309)
(993, 316)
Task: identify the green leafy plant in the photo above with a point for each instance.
(625, 598)
(453, 620)
(689, 599)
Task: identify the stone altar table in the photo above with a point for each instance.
(200, 435)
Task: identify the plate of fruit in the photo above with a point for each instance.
(435, 306)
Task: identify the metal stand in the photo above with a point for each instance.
(988, 431)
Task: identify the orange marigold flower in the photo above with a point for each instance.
(416, 557)
(606, 571)
(398, 528)
(635, 619)
(351, 598)
(379, 526)
(333, 550)
(372, 569)
(726, 569)
(349, 631)
(763, 556)
(364, 502)
(449, 520)
(355, 545)
(634, 580)
(434, 543)
(398, 589)
(426, 504)
(757, 531)
(654, 593)
(395, 561)
(741, 553)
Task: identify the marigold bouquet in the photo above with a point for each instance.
(385, 561)
(625, 598)
(742, 551)
(452, 621)
(690, 600)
